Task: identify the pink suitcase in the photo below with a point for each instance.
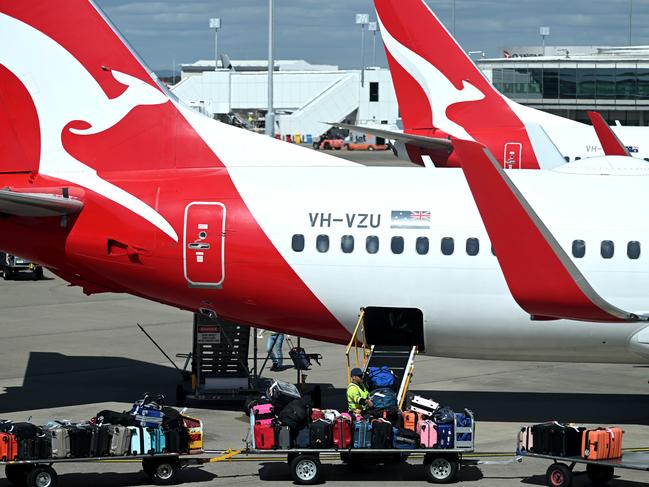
(264, 414)
(427, 434)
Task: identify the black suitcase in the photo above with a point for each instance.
(23, 430)
(381, 434)
(557, 439)
(80, 441)
(299, 357)
(100, 442)
(177, 440)
(320, 434)
(38, 448)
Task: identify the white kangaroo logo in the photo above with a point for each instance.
(36, 60)
(440, 91)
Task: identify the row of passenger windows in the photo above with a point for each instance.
(447, 246)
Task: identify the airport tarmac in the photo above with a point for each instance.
(64, 355)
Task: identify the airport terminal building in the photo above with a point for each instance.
(567, 81)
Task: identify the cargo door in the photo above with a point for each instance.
(204, 245)
(513, 155)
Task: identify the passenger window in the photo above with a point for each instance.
(633, 250)
(397, 245)
(472, 246)
(372, 244)
(298, 243)
(578, 249)
(608, 249)
(322, 243)
(448, 246)
(347, 244)
(422, 245)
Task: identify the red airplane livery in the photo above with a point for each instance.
(115, 186)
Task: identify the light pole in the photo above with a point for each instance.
(270, 114)
(544, 32)
(373, 27)
(215, 23)
(362, 20)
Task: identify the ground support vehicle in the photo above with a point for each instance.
(561, 472)
(162, 469)
(12, 265)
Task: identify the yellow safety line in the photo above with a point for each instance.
(229, 454)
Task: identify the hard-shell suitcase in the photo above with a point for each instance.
(148, 411)
(158, 440)
(120, 441)
(177, 440)
(557, 439)
(299, 357)
(38, 448)
(404, 439)
(303, 438)
(140, 440)
(412, 420)
(427, 434)
(362, 434)
(381, 434)
(194, 428)
(445, 436)
(264, 436)
(321, 436)
(264, 413)
(601, 443)
(464, 429)
(8, 447)
(283, 441)
(422, 405)
(616, 442)
(281, 393)
(60, 443)
(80, 439)
(342, 432)
(100, 442)
(527, 439)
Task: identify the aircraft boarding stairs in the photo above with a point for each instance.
(400, 358)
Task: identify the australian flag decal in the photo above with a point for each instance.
(410, 219)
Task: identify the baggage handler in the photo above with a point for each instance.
(358, 400)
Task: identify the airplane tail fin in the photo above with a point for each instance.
(437, 85)
(71, 86)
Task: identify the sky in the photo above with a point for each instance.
(167, 33)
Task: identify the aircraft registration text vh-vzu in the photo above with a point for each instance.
(115, 186)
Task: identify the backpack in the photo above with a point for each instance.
(383, 399)
(294, 414)
(379, 377)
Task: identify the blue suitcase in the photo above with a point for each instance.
(140, 440)
(158, 441)
(445, 436)
(362, 434)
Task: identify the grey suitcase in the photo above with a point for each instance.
(284, 438)
(120, 442)
(60, 443)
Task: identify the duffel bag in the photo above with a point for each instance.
(380, 377)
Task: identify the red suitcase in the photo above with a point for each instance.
(342, 433)
(264, 437)
(8, 447)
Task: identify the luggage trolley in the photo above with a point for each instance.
(562, 471)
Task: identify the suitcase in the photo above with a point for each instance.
(362, 434)
(422, 405)
(38, 448)
(80, 439)
(404, 439)
(120, 441)
(526, 439)
(464, 429)
(140, 440)
(177, 440)
(147, 412)
(303, 438)
(342, 432)
(60, 443)
(158, 440)
(299, 357)
(320, 434)
(295, 414)
(8, 447)
(427, 434)
(317, 414)
(264, 437)
(194, 428)
(381, 434)
(264, 413)
(281, 393)
(557, 439)
(601, 443)
(445, 436)
(283, 441)
(100, 441)
(412, 420)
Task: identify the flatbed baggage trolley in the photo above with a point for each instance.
(162, 468)
(562, 471)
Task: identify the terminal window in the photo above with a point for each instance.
(374, 91)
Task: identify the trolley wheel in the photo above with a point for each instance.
(441, 469)
(42, 476)
(599, 474)
(306, 469)
(162, 472)
(558, 475)
(17, 474)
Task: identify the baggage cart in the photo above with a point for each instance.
(562, 470)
